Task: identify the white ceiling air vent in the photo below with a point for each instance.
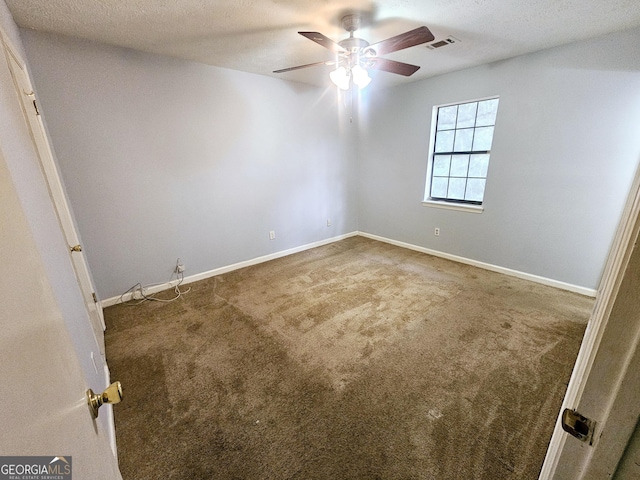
(450, 40)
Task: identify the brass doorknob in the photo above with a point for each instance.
(113, 394)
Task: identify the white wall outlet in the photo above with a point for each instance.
(328, 222)
(179, 268)
(272, 235)
(436, 231)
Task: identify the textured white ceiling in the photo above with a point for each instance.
(260, 36)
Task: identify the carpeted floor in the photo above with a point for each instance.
(355, 360)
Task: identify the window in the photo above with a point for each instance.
(460, 150)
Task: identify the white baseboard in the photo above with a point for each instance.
(229, 268)
(272, 256)
(487, 266)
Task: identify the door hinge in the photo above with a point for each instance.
(578, 425)
(95, 297)
(35, 106)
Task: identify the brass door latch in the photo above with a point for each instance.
(76, 248)
(113, 394)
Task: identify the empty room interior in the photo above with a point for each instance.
(322, 240)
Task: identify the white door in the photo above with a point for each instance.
(42, 388)
(605, 384)
(40, 140)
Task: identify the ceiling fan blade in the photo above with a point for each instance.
(330, 62)
(326, 42)
(402, 41)
(392, 66)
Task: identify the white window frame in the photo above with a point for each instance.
(428, 201)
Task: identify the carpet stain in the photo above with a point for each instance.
(356, 360)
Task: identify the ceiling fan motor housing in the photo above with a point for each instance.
(353, 44)
(351, 22)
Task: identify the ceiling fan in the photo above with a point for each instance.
(354, 56)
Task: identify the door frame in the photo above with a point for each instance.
(44, 152)
(33, 119)
(613, 275)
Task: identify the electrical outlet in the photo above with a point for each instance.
(179, 267)
(436, 231)
(328, 222)
(272, 235)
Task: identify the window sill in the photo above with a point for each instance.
(454, 206)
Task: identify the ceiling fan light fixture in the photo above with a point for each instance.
(340, 78)
(360, 76)
(356, 55)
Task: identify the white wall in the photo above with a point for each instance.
(26, 176)
(164, 158)
(565, 150)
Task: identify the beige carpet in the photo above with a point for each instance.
(355, 360)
